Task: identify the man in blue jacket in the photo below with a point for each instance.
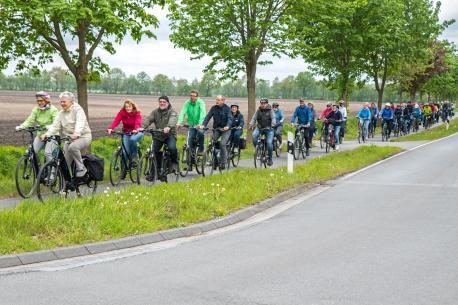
(222, 121)
(303, 115)
(279, 118)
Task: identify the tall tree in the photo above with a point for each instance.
(208, 83)
(329, 35)
(33, 31)
(305, 82)
(234, 33)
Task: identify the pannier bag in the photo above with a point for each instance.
(95, 166)
(242, 143)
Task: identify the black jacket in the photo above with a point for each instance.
(222, 116)
(335, 117)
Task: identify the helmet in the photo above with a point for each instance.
(235, 105)
(275, 104)
(388, 104)
(263, 100)
(44, 95)
(328, 104)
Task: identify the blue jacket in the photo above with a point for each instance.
(279, 117)
(416, 112)
(237, 120)
(364, 114)
(374, 112)
(387, 114)
(303, 115)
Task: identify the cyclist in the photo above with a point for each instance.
(343, 110)
(131, 119)
(374, 115)
(312, 128)
(364, 116)
(335, 119)
(303, 115)
(446, 111)
(279, 118)
(42, 115)
(406, 115)
(194, 111)
(264, 118)
(416, 112)
(398, 116)
(387, 116)
(222, 119)
(164, 117)
(427, 111)
(326, 111)
(237, 121)
(71, 122)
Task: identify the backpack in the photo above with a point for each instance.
(95, 166)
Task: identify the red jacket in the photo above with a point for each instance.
(130, 121)
(325, 112)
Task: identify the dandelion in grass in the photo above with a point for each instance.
(217, 185)
(132, 193)
(212, 184)
(105, 191)
(272, 174)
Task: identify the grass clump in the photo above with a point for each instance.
(116, 213)
(431, 134)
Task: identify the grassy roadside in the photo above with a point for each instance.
(134, 210)
(431, 134)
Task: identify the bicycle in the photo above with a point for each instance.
(261, 151)
(212, 155)
(148, 164)
(190, 157)
(323, 136)
(300, 141)
(385, 131)
(27, 167)
(56, 178)
(371, 129)
(233, 155)
(416, 124)
(330, 139)
(119, 166)
(361, 133)
(428, 121)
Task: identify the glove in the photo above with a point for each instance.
(17, 128)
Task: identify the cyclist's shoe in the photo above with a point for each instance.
(149, 178)
(123, 175)
(134, 162)
(174, 168)
(200, 152)
(269, 162)
(222, 166)
(81, 173)
(307, 152)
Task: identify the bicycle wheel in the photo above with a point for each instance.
(51, 180)
(327, 144)
(359, 135)
(133, 173)
(147, 168)
(83, 188)
(186, 164)
(322, 140)
(169, 175)
(303, 150)
(117, 168)
(297, 147)
(199, 163)
(277, 148)
(258, 155)
(208, 162)
(25, 176)
(235, 158)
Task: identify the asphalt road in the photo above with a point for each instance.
(387, 235)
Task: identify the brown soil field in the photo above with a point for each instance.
(15, 106)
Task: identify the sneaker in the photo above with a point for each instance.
(222, 166)
(123, 175)
(149, 178)
(134, 161)
(174, 168)
(337, 147)
(80, 173)
(200, 153)
(307, 152)
(269, 162)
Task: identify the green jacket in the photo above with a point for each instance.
(195, 113)
(43, 118)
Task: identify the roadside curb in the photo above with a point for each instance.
(28, 258)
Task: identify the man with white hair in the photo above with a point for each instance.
(71, 122)
(222, 121)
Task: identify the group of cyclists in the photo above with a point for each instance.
(404, 117)
(228, 123)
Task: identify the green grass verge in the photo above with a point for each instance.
(116, 213)
(431, 134)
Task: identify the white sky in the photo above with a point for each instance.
(159, 56)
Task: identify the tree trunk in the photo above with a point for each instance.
(251, 88)
(81, 87)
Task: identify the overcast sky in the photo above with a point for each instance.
(159, 56)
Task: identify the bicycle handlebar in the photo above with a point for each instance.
(32, 129)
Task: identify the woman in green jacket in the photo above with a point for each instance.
(42, 115)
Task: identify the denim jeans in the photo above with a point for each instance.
(365, 125)
(336, 133)
(193, 132)
(130, 143)
(235, 136)
(269, 138)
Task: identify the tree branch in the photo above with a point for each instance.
(90, 53)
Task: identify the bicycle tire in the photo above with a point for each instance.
(117, 166)
(49, 183)
(186, 160)
(297, 147)
(24, 164)
(147, 168)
